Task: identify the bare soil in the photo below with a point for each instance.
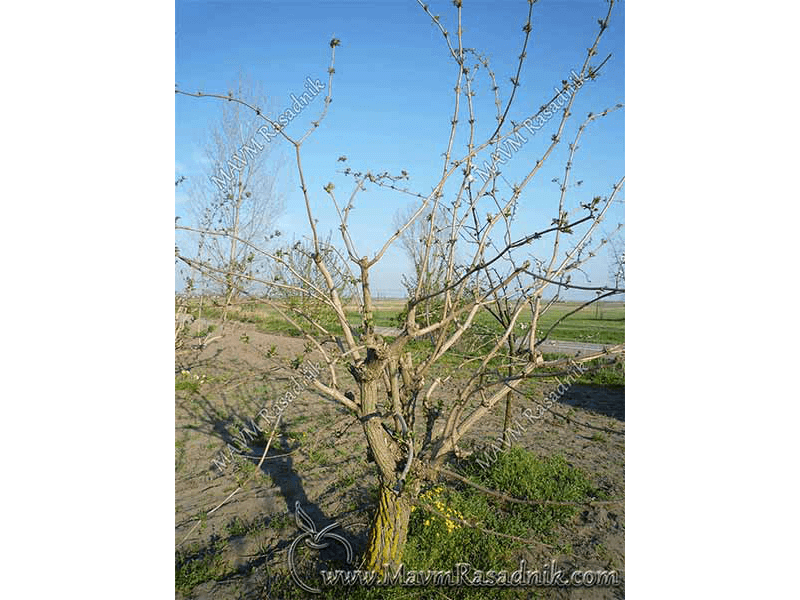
(318, 458)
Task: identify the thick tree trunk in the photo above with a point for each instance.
(387, 538)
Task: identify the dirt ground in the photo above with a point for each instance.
(311, 462)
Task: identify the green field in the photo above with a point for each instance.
(602, 322)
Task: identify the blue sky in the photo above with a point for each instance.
(393, 100)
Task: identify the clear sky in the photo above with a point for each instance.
(393, 99)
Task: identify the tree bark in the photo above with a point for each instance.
(387, 538)
(389, 531)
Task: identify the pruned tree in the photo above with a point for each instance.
(296, 280)
(414, 409)
(428, 273)
(236, 197)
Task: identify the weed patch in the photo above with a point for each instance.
(438, 543)
(198, 565)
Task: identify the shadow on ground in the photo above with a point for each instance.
(604, 400)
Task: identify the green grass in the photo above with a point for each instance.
(237, 527)
(189, 382)
(602, 323)
(198, 565)
(520, 473)
(609, 375)
(603, 326)
(600, 371)
(435, 544)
